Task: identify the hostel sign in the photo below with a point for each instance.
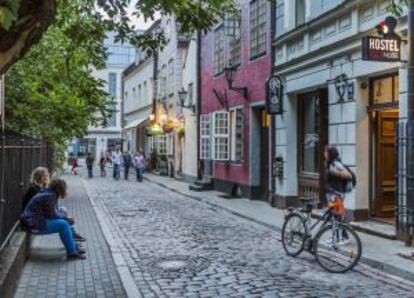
(381, 48)
(386, 47)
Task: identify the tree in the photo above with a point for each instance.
(396, 7)
(51, 92)
(23, 22)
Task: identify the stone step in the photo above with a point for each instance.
(203, 182)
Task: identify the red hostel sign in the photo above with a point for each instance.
(381, 49)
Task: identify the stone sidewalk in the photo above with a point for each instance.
(377, 252)
(48, 274)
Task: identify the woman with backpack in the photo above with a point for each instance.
(338, 179)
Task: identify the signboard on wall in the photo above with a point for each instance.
(274, 95)
(385, 49)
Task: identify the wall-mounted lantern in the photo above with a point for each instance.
(182, 97)
(230, 72)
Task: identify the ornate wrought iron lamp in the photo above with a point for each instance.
(230, 72)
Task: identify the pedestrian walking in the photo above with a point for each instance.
(40, 217)
(116, 162)
(102, 164)
(127, 162)
(89, 164)
(75, 166)
(139, 165)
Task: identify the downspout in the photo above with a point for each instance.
(198, 63)
(273, 118)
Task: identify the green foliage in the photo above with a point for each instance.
(9, 13)
(52, 92)
(396, 7)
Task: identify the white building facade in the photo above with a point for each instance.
(138, 93)
(176, 72)
(318, 44)
(102, 139)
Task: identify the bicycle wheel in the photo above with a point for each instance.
(337, 249)
(294, 234)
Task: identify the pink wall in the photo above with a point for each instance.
(252, 74)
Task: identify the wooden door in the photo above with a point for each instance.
(264, 156)
(384, 202)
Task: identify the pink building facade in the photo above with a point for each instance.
(235, 130)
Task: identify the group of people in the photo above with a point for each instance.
(41, 214)
(119, 160)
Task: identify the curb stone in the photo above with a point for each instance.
(400, 276)
(125, 275)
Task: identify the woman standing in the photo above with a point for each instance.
(40, 217)
(337, 175)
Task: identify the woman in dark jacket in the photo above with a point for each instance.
(39, 180)
(40, 217)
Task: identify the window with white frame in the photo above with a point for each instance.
(162, 144)
(219, 50)
(171, 77)
(237, 131)
(205, 137)
(190, 100)
(139, 94)
(163, 82)
(221, 136)
(257, 28)
(318, 7)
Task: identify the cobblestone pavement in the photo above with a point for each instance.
(219, 254)
(48, 274)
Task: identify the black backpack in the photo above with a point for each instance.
(351, 183)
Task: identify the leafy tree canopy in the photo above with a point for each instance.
(22, 22)
(51, 92)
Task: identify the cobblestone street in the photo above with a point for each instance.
(219, 254)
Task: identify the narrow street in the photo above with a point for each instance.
(177, 247)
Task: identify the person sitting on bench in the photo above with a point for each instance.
(39, 180)
(40, 217)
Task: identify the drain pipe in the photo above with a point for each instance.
(198, 63)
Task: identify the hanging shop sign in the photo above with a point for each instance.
(274, 95)
(386, 47)
(381, 49)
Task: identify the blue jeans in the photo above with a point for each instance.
(139, 174)
(62, 227)
(117, 171)
(90, 172)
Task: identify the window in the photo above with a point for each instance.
(163, 144)
(318, 7)
(120, 54)
(163, 82)
(300, 12)
(280, 17)
(171, 77)
(237, 118)
(139, 93)
(205, 137)
(190, 100)
(257, 28)
(112, 118)
(234, 24)
(385, 90)
(221, 136)
(311, 134)
(112, 84)
(145, 96)
(219, 50)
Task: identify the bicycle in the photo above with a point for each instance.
(336, 246)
